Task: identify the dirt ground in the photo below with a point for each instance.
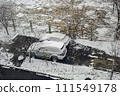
(19, 47)
(11, 74)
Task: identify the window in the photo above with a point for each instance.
(53, 49)
(54, 39)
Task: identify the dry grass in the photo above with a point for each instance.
(102, 63)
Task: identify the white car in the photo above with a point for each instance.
(58, 37)
(48, 50)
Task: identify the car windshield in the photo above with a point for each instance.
(52, 49)
(54, 39)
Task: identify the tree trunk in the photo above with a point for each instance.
(49, 25)
(112, 71)
(117, 35)
(118, 26)
(111, 75)
(7, 30)
(31, 26)
(91, 33)
(14, 25)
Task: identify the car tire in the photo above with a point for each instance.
(32, 54)
(54, 58)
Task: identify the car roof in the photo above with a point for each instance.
(54, 34)
(37, 45)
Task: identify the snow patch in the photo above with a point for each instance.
(20, 57)
(20, 15)
(108, 47)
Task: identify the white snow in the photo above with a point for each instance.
(37, 45)
(91, 12)
(66, 71)
(103, 31)
(20, 57)
(24, 1)
(6, 38)
(108, 47)
(20, 15)
(93, 56)
(5, 57)
(57, 20)
(45, 36)
(105, 34)
(39, 4)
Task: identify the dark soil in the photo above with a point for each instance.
(11, 74)
(19, 47)
(77, 56)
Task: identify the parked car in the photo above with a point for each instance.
(48, 50)
(58, 37)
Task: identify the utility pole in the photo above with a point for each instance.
(31, 26)
(91, 33)
(14, 25)
(49, 25)
(30, 40)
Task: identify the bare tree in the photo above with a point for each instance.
(115, 52)
(6, 14)
(117, 4)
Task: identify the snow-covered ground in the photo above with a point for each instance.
(111, 48)
(36, 11)
(5, 57)
(74, 72)
(67, 71)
